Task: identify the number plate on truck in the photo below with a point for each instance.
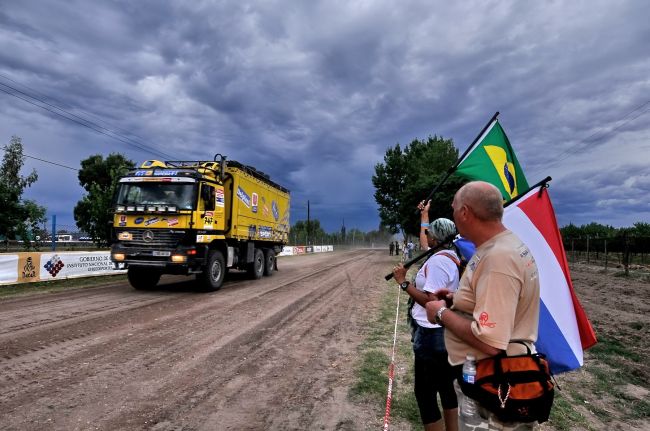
(162, 253)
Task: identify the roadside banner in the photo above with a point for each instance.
(287, 250)
(75, 264)
(8, 268)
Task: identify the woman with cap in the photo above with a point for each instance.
(433, 374)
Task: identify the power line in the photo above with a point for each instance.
(99, 119)
(80, 120)
(604, 133)
(594, 136)
(51, 163)
(84, 122)
(46, 161)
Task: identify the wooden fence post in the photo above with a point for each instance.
(626, 256)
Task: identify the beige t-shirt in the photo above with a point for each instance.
(499, 291)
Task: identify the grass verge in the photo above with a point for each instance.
(23, 289)
(374, 358)
(602, 388)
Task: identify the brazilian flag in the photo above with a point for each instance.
(492, 160)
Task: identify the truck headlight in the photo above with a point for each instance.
(120, 208)
(171, 209)
(179, 258)
(118, 257)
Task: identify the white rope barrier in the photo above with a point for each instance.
(391, 367)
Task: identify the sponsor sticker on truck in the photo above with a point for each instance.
(243, 196)
(219, 198)
(276, 212)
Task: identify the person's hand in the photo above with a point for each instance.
(445, 295)
(424, 206)
(432, 308)
(399, 274)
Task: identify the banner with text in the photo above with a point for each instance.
(42, 266)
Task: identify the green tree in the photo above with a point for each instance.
(597, 230)
(18, 217)
(99, 176)
(407, 176)
(299, 233)
(642, 229)
(570, 231)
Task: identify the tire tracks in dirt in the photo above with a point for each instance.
(256, 355)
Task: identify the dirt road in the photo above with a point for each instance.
(275, 353)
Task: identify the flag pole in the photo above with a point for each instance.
(543, 183)
(444, 243)
(452, 169)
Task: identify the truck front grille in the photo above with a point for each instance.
(161, 238)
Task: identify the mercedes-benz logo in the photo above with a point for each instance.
(147, 236)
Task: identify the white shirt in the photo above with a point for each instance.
(438, 272)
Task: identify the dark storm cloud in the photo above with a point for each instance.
(313, 93)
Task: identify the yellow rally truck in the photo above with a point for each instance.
(198, 217)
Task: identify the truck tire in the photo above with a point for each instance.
(256, 267)
(269, 262)
(214, 272)
(143, 278)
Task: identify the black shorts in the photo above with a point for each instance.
(433, 374)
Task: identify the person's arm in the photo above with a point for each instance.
(424, 223)
(419, 296)
(459, 325)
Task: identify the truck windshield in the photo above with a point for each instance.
(181, 195)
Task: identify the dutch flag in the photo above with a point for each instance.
(564, 330)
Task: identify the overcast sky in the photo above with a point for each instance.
(314, 92)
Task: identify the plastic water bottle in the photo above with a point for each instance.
(469, 407)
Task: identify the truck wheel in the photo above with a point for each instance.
(256, 268)
(214, 272)
(143, 279)
(269, 262)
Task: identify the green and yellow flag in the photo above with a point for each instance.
(492, 160)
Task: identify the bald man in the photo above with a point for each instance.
(497, 300)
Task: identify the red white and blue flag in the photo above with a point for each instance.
(564, 330)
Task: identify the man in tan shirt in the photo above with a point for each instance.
(498, 298)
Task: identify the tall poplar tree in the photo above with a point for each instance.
(19, 218)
